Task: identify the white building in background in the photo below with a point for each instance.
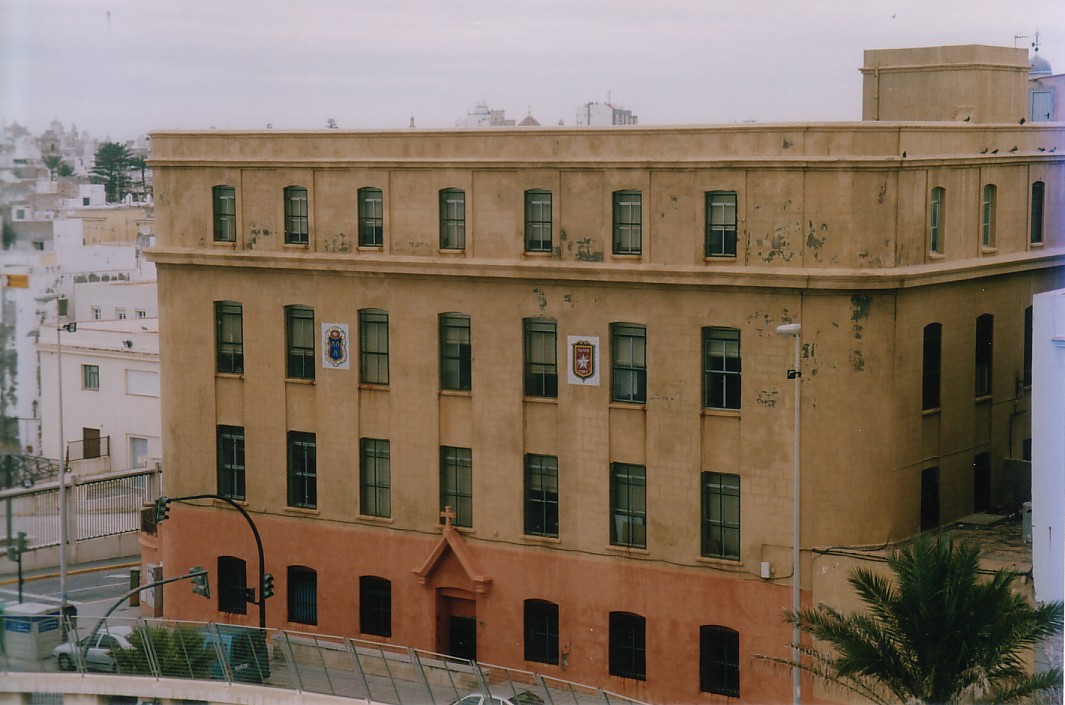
(483, 116)
(604, 114)
(1048, 447)
(115, 300)
(110, 383)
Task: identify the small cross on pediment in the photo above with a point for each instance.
(447, 515)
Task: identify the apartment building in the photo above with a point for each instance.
(520, 395)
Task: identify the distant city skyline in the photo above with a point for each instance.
(121, 68)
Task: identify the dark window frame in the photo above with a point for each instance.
(1026, 368)
(229, 337)
(452, 219)
(540, 622)
(302, 470)
(988, 216)
(936, 210)
(721, 518)
(371, 217)
(628, 645)
(375, 477)
(541, 495)
(456, 352)
(721, 229)
(90, 377)
(456, 484)
(297, 218)
(224, 211)
(627, 222)
(628, 360)
(373, 346)
(541, 357)
(232, 585)
(230, 462)
(984, 350)
(299, 342)
(931, 366)
(538, 214)
(1037, 213)
(375, 605)
(628, 505)
(719, 660)
(722, 368)
(302, 592)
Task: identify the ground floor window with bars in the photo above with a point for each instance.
(719, 660)
(541, 631)
(232, 584)
(302, 595)
(375, 605)
(628, 647)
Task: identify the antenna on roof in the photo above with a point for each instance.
(1035, 44)
(1018, 36)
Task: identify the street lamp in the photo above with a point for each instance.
(795, 373)
(63, 518)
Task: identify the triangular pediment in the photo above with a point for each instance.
(452, 542)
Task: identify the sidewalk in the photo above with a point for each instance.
(122, 562)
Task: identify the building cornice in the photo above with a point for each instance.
(631, 275)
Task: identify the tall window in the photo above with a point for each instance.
(629, 348)
(719, 660)
(628, 223)
(373, 346)
(935, 220)
(452, 219)
(455, 352)
(225, 213)
(231, 462)
(628, 502)
(232, 583)
(932, 365)
(541, 358)
(987, 217)
(541, 631)
(456, 483)
(302, 595)
(628, 647)
(296, 228)
(229, 337)
(1035, 231)
(299, 336)
(985, 331)
(375, 477)
(302, 470)
(375, 605)
(1026, 374)
(929, 499)
(371, 218)
(721, 368)
(721, 515)
(721, 224)
(537, 221)
(90, 377)
(541, 495)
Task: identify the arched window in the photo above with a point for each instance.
(719, 660)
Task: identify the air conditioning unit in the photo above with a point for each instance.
(1026, 521)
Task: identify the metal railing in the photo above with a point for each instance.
(99, 506)
(303, 662)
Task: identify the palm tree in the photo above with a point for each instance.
(51, 163)
(940, 632)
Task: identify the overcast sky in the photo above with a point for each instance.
(120, 68)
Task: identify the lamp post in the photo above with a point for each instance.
(63, 514)
(795, 373)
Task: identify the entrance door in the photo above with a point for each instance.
(456, 624)
(463, 632)
(90, 441)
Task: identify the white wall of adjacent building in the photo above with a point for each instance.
(1048, 457)
(110, 381)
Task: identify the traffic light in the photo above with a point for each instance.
(15, 550)
(267, 587)
(162, 510)
(199, 581)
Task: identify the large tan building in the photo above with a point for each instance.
(520, 394)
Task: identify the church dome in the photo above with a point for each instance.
(1039, 67)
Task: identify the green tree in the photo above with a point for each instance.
(51, 163)
(939, 632)
(180, 651)
(113, 162)
(65, 169)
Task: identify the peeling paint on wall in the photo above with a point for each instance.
(339, 243)
(584, 251)
(541, 300)
(857, 361)
(768, 397)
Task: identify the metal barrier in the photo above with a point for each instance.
(99, 506)
(303, 662)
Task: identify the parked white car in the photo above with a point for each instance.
(97, 654)
(523, 698)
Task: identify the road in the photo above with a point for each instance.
(91, 587)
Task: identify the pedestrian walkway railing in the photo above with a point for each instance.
(302, 662)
